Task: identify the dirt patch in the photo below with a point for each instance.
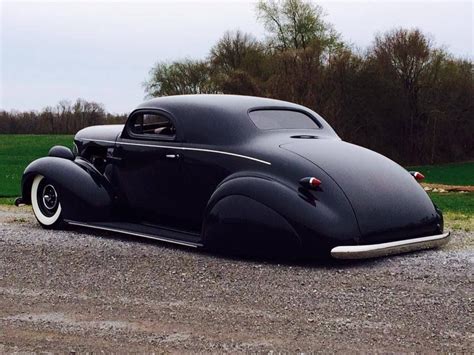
(447, 188)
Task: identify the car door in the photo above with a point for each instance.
(202, 172)
(147, 170)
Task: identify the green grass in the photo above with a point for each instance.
(459, 221)
(458, 209)
(447, 174)
(454, 202)
(17, 151)
(7, 200)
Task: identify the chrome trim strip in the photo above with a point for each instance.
(384, 249)
(179, 148)
(137, 234)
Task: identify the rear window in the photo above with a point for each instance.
(282, 119)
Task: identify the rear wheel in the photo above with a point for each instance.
(45, 202)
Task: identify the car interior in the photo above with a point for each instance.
(152, 124)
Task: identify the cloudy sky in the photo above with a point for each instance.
(103, 50)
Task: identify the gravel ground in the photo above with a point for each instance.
(79, 290)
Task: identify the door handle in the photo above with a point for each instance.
(172, 156)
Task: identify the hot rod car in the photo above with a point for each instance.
(244, 174)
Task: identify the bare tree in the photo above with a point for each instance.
(295, 24)
(407, 54)
(237, 51)
(179, 78)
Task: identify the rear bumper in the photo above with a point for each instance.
(384, 249)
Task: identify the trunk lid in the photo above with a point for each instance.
(388, 202)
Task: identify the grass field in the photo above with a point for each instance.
(448, 174)
(17, 151)
(458, 209)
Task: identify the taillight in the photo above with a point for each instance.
(310, 182)
(417, 175)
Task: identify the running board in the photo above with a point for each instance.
(134, 233)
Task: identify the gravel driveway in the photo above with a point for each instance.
(79, 290)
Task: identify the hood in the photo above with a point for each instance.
(104, 132)
(388, 202)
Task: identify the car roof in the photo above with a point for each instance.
(219, 119)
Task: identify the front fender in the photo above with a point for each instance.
(317, 222)
(85, 195)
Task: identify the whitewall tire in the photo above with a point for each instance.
(45, 202)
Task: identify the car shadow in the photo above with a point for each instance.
(229, 256)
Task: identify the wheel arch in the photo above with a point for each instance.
(243, 213)
(84, 194)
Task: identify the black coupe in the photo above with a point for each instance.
(244, 174)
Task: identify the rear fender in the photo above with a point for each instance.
(85, 195)
(309, 223)
(243, 225)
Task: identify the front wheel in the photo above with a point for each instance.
(45, 202)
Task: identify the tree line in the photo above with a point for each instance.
(65, 118)
(403, 96)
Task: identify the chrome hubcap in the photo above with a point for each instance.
(50, 197)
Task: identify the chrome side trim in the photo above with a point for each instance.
(137, 234)
(384, 249)
(180, 148)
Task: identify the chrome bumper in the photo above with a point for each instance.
(384, 249)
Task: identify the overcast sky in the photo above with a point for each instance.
(102, 51)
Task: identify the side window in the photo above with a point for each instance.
(152, 125)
